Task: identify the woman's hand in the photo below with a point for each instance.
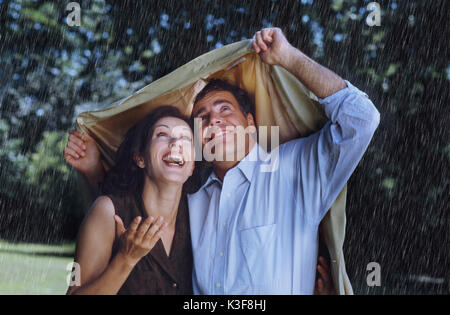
(138, 240)
(324, 282)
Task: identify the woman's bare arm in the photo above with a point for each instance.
(99, 275)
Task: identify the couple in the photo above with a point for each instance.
(251, 232)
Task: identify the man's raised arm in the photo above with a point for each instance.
(274, 49)
(327, 158)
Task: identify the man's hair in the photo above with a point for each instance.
(245, 102)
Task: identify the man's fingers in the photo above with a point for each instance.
(255, 46)
(260, 42)
(77, 140)
(267, 35)
(69, 153)
(75, 148)
(120, 229)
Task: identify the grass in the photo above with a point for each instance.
(34, 268)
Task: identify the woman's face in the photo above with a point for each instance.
(171, 153)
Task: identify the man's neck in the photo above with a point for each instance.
(222, 167)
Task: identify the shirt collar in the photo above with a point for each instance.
(249, 163)
(247, 166)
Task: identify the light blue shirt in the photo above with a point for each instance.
(257, 232)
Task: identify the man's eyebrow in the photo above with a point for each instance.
(216, 103)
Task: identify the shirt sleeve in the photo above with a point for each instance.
(319, 165)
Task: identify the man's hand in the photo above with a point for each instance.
(324, 283)
(271, 45)
(274, 49)
(82, 153)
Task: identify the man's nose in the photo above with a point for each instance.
(215, 119)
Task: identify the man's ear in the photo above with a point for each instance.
(250, 120)
(139, 160)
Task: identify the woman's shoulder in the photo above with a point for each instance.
(103, 206)
(99, 224)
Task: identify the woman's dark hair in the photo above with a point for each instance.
(125, 177)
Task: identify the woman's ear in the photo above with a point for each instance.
(139, 160)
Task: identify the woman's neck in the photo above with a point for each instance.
(162, 199)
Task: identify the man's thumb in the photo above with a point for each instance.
(120, 229)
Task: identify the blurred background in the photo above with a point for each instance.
(398, 198)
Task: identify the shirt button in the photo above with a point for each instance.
(224, 223)
(174, 285)
(220, 254)
(228, 195)
(218, 284)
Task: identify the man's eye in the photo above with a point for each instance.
(160, 134)
(225, 108)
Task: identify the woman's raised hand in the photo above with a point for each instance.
(139, 239)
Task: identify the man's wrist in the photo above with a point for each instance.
(290, 58)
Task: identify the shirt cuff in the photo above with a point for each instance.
(330, 103)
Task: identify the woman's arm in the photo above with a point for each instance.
(94, 248)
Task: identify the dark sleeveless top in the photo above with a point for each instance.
(157, 273)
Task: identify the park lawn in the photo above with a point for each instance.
(34, 268)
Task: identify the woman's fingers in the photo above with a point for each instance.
(155, 230)
(120, 228)
(319, 285)
(134, 225)
(323, 262)
(323, 273)
(143, 228)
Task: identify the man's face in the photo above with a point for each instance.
(217, 111)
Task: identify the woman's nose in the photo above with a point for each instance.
(175, 144)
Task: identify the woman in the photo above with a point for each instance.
(135, 239)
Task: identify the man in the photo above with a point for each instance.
(256, 232)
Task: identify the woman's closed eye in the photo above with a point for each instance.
(161, 134)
